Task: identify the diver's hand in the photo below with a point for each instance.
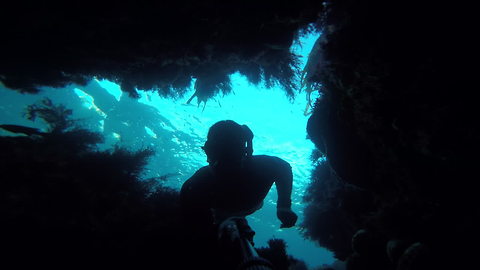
(287, 217)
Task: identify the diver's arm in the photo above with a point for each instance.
(284, 181)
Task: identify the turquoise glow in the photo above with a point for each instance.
(176, 131)
(279, 126)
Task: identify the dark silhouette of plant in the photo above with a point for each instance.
(57, 117)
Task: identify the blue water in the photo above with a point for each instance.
(176, 131)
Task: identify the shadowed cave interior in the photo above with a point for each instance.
(393, 125)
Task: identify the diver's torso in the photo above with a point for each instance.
(244, 189)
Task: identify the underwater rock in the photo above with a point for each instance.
(367, 246)
(389, 123)
(362, 241)
(415, 257)
(348, 156)
(332, 209)
(397, 118)
(324, 220)
(395, 249)
(356, 262)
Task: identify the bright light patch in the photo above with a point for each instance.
(88, 102)
(176, 129)
(150, 132)
(112, 88)
(279, 126)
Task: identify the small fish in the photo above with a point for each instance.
(21, 129)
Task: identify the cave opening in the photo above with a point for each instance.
(175, 130)
(396, 120)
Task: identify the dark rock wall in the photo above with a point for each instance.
(396, 121)
(397, 125)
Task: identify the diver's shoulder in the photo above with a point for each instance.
(263, 157)
(197, 178)
(268, 159)
(203, 172)
(204, 169)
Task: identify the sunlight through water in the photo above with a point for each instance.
(176, 131)
(279, 126)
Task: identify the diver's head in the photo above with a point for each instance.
(228, 143)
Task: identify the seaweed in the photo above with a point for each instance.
(159, 46)
(276, 254)
(390, 125)
(57, 117)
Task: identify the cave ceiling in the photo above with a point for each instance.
(152, 45)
